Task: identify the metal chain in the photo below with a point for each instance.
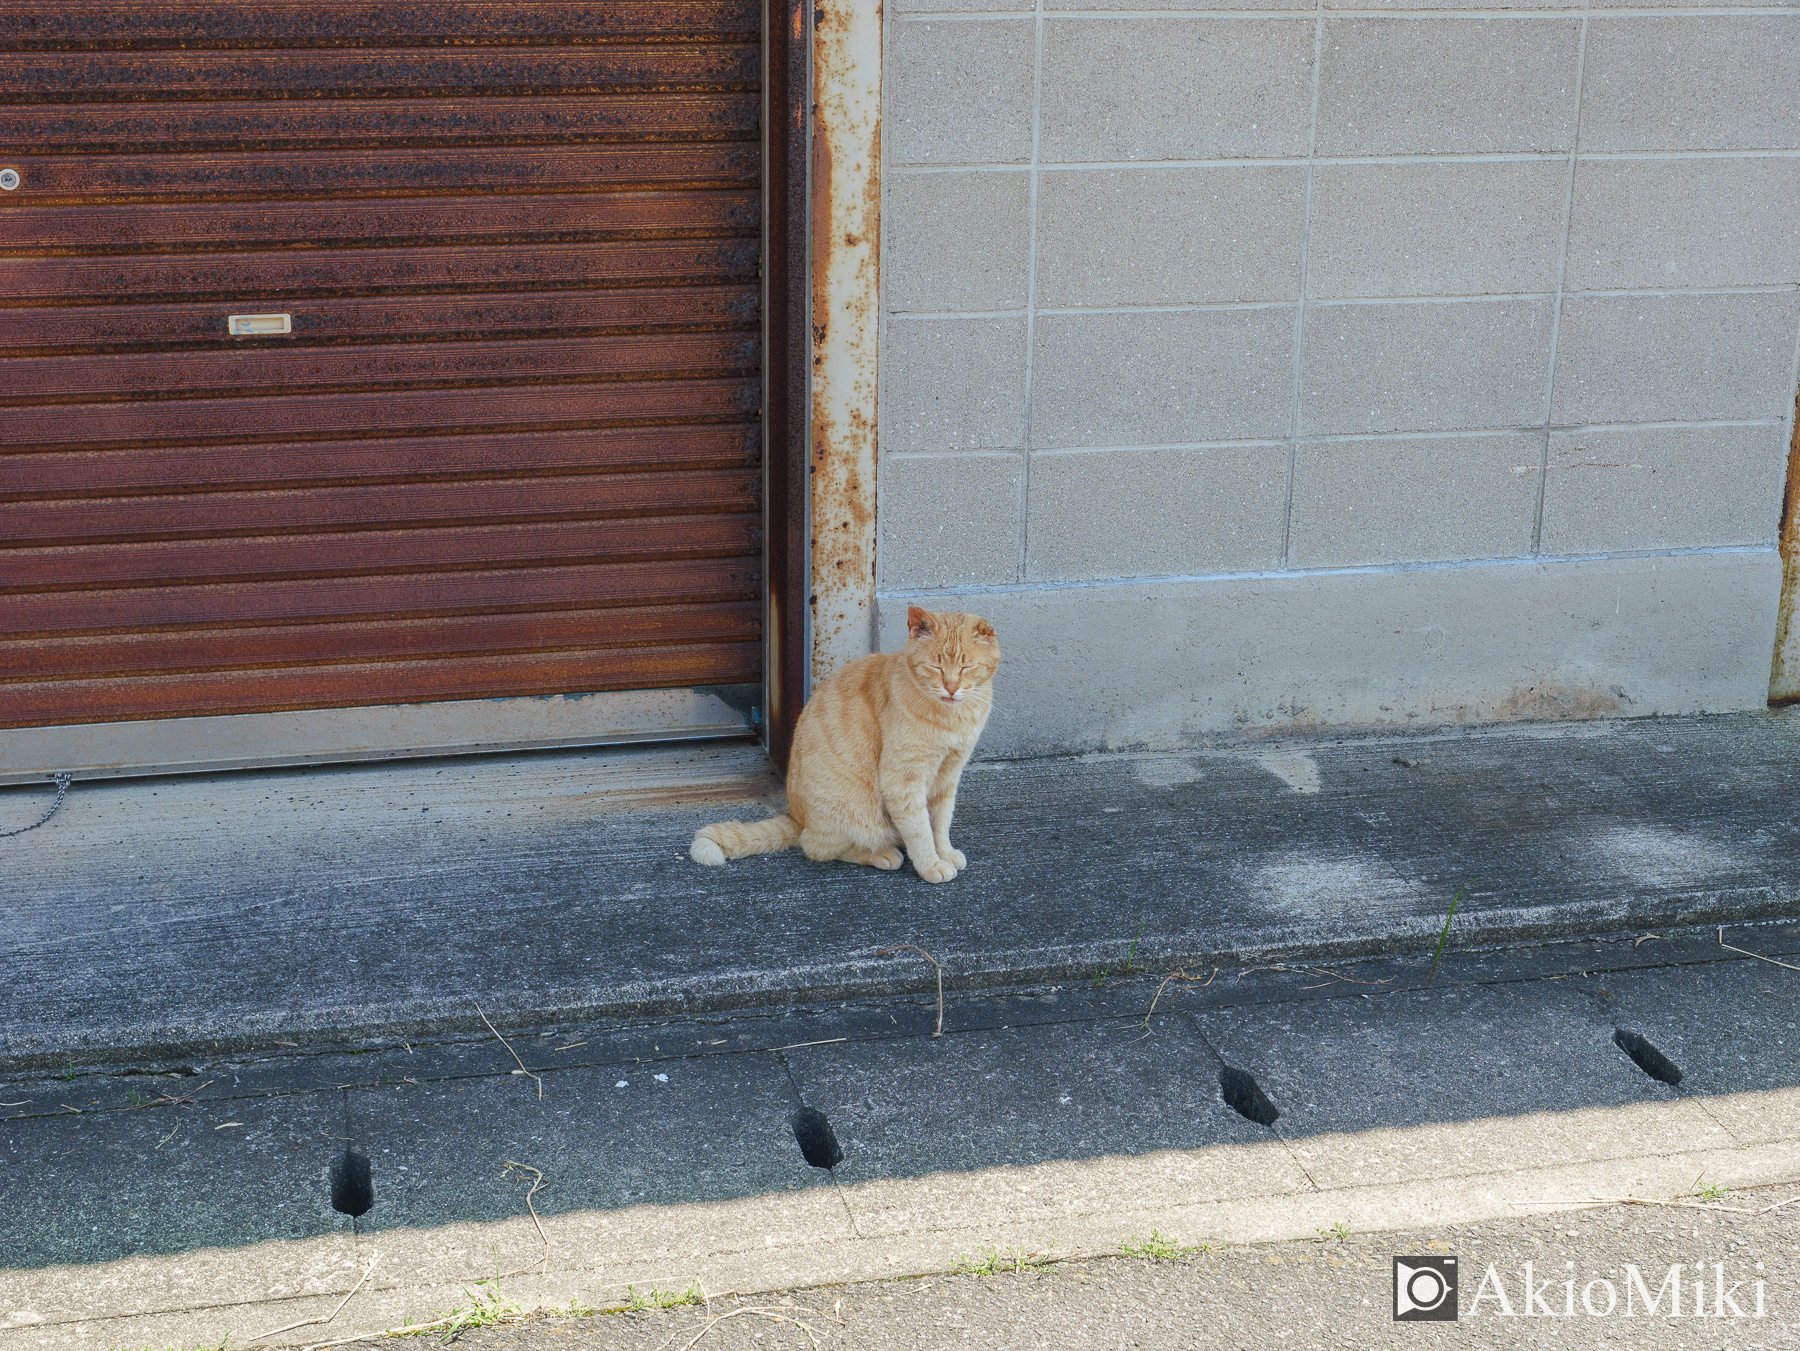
(62, 790)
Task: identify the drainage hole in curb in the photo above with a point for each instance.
(352, 1184)
(818, 1142)
(1245, 1097)
(1646, 1057)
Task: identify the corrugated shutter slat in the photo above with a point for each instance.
(511, 445)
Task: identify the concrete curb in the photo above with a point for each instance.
(1225, 1193)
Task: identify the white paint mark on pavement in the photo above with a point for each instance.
(1294, 768)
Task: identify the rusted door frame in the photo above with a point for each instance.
(845, 274)
(786, 68)
(822, 280)
(1784, 677)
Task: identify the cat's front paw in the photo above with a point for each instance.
(955, 858)
(937, 870)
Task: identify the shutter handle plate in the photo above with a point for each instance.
(258, 325)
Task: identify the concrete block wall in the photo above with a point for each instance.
(1394, 364)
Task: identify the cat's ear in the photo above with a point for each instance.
(984, 631)
(918, 622)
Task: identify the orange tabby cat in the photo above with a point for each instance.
(878, 753)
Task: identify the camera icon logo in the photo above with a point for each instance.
(1424, 1289)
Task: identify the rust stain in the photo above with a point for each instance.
(1551, 701)
(1784, 677)
(845, 271)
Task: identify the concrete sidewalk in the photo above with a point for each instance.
(142, 1209)
(247, 912)
(1307, 1294)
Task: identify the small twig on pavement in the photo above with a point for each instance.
(307, 1322)
(1351, 980)
(914, 947)
(536, 1186)
(171, 1099)
(1699, 1205)
(165, 1140)
(1746, 951)
(706, 1303)
(776, 1314)
(514, 1054)
(1646, 1201)
(1176, 975)
(404, 1330)
(1642, 939)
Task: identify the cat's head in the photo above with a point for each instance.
(953, 656)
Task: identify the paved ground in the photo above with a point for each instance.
(1309, 1295)
(178, 1206)
(201, 915)
(1187, 993)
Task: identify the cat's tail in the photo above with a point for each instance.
(739, 839)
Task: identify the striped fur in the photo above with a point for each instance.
(739, 839)
(878, 754)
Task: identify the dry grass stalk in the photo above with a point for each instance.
(914, 947)
(536, 1186)
(1649, 1201)
(307, 1322)
(1194, 981)
(777, 1314)
(1746, 951)
(514, 1054)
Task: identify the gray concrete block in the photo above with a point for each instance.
(1600, 6)
(1138, 513)
(1430, 229)
(1447, 86)
(1433, 366)
(1169, 236)
(1413, 500)
(956, 241)
(899, 7)
(1159, 378)
(1645, 224)
(1444, 6)
(1663, 488)
(1597, 638)
(1175, 88)
(949, 520)
(958, 92)
(953, 384)
(1688, 82)
(1180, 6)
(1689, 358)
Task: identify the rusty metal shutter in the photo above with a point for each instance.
(510, 445)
